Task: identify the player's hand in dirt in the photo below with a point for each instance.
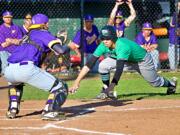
(110, 91)
(74, 88)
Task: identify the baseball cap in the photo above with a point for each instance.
(88, 17)
(147, 26)
(28, 16)
(119, 14)
(7, 14)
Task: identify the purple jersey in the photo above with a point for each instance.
(141, 40)
(30, 52)
(9, 32)
(172, 30)
(89, 42)
(120, 29)
(23, 30)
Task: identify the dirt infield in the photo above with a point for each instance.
(138, 117)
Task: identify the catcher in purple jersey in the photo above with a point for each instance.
(116, 18)
(90, 41)
(24, 65)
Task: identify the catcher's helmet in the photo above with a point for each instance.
(39, 19)
(108, 33)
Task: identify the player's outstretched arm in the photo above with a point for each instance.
(132, 13)
(81, 75)
(83, 72)
(59, 49)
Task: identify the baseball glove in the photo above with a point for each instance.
(62, 35)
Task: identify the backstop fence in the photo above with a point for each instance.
(68, 15)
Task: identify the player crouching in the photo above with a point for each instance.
(24, 67)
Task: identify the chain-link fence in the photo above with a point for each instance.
(68, 15)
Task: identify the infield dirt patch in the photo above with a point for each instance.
(137, 117)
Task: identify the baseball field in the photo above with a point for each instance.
(139, 110)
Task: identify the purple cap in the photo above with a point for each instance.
(88, 17)
(119, 14)
(147, 26)
(39, 19)
(7, 14)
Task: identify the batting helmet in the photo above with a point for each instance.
(39, 19)
(108, 33)
(88, 17)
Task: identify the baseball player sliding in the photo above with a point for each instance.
(125, 51)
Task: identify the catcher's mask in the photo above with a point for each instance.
(39, 20)
(108, 33)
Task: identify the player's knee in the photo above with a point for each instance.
(156, 83)
(102, 68)
(57, 96)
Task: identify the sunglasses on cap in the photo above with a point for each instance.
(120, 17)
(7, 17)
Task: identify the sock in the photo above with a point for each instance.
(105, 80)
(167, 83)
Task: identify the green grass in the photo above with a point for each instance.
(131, 86)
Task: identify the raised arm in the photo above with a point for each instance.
(132, 13)
(113, 12)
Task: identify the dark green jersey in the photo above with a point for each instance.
(124, 49)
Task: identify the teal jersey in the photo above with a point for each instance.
(124, 49)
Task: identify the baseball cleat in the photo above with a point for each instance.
(53, 116)
(11, 114)
(172, 89)
(102, 96)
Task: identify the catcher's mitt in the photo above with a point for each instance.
(62, 35)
